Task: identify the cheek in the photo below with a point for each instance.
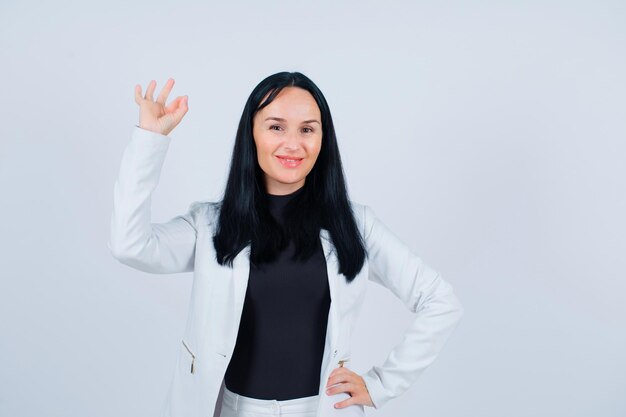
(263, 150)
(315, 149)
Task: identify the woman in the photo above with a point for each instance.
(280, 265)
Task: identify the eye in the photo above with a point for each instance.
(310, 129)
(273, 126)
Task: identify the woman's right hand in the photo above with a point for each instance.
(154, 115)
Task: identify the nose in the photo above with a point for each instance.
(292, 141)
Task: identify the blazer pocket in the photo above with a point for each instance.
(192, 355)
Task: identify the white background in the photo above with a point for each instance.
(489, 136)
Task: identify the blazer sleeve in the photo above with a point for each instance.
(424, 292)
(150, 247)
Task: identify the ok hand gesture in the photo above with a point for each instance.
(154, 115)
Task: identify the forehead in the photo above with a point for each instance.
(291, 103)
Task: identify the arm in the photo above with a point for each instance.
(424, 292)
(135, 241)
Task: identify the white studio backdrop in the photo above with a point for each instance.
(489, 136)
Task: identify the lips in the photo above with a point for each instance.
(289, 162)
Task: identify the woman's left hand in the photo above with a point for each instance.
(343, 379)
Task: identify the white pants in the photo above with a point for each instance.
(235, 405)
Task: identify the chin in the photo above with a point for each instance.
(289, 181)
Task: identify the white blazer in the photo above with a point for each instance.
(184, 244)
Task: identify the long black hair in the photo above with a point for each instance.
(244, 216)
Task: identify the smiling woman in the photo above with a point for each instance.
(288, 138)
(280, 265)
(286, 142)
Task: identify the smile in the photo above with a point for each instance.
(289, 162)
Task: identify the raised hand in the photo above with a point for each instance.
(154, 115)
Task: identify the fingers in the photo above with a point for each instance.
(341, 374)
(165, 92)
(138, 97)
(178, 108)
(162, 96)
(345, 380)
(181, 110)
(347, 402)
(155, 113)
(358, 394)
(150, 90)
(176, 103)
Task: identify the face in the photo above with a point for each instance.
(288, 138)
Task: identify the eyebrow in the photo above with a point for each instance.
(279, 119)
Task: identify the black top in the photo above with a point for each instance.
(280, 343)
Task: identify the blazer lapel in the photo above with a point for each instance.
(333, 276)
(240, 274)
(330, 346)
